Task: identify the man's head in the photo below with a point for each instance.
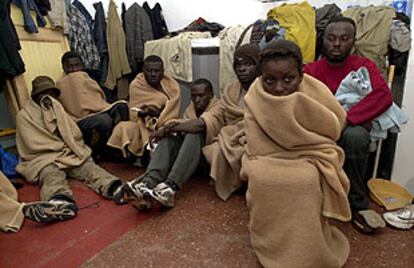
(281, 68)
(153, 70)
(42, 86)
(245, 64)
(72, 62)
(339, 39)
(201, 93)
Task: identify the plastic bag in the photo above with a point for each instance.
(8, 163)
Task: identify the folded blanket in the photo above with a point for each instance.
(295, 176)
(134, 134)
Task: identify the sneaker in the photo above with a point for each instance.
(51, 211)
(119, 195)
(402, 218)
(367, 221)
(138, 194)
(164, 194)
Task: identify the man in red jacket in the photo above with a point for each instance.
(332, 69)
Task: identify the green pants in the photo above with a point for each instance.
(175, 159)
(53, 180)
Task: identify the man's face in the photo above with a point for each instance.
(338, 41)
(153, 73)
(281, 77)
(72, 65)
(200, 96)
(49, 92)
(246, 70)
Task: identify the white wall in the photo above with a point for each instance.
(403, 171)
(180, 13)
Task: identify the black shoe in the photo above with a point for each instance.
(50, 211)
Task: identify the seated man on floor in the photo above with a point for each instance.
(84, 100)
(224, 152)
(154, 99)
(355, 139)
(293, 165)
(51, 148)
(178, 153)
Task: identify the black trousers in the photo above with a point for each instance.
(355, 142)
(97, 129)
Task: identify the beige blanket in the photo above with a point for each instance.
(81, 96)
(47, 136)
(134, 134)
(11, 215)
(295, 176)
(224, 152)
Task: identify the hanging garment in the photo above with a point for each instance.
(100, 40)
(400, 36)
(299, 22)
(373, 24)
(81, 40)
(26, 6)
(230, 39)
(58, 15)
(43, 6)
(138, 30)
(11, 64)
(118, 60)
(159, 26)
(176, 53)
(85, 14)
(323, 16)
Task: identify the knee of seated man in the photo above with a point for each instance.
(355, 136)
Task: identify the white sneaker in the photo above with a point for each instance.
(138, 193)
(164, 194)
(402, 218)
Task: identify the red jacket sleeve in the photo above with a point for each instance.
(376, 102)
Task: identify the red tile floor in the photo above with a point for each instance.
(203, 231)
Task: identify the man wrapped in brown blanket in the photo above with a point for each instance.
(225, 150)
(51, 147)
(84, 100)
(154, 100)
(293, 165)
(177, 155)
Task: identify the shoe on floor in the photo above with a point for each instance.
(401, 219)
(138, 194)
(164, 194)
(367, 221)
(119, 195)
(50, 211)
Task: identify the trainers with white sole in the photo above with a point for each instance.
(401, 219)
(138, 194)
(164, 194)
(50, 211)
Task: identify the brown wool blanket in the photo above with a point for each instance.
(81, 96)
(135, 133)
(11, 216)
(224, 151)
(295, 176)
(46, 136)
